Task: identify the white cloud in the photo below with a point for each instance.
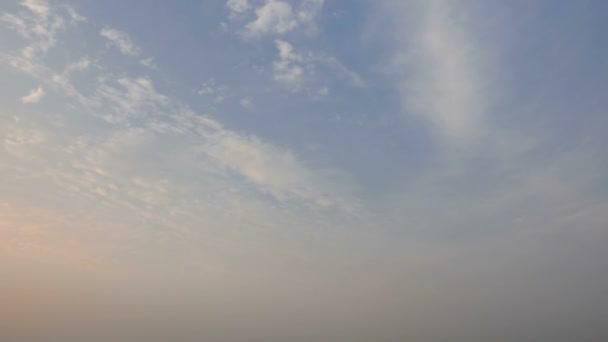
(161, 165)
(272, 17)
(239, 200)
(39, 7)
(323, 91)
(288, 69)
(272, 169)
(442, 77)
(308, 10)
(286, 51)
(246, 103)
(149, 63)
(217, 92)
(21, 139)
(289, 74)
(34, 96)
(39, 27)
(75, 16)
(276, 17)
(351, 77)
(125, 101)
(121, 41)
(127, 98)
(293, 69)
(238, 6)
(15, 23)
(209, 87)
(80, 65)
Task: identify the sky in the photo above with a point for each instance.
(307, 170)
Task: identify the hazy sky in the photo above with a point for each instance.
(307, 170)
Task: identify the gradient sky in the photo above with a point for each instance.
(307, 170)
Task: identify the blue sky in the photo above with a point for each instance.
(344, 170)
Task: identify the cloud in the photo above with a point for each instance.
(351, 77)
(219, 93)
(286, 52)
(237, 6)
(121, 41)
(217, 225)
(293, 69)
(34, 96)
(39, 7)
(128, 98)
(272, 17)
(323, 91)
(288, 69)
(247, 103)
(258, 166)
(80, 65)
(23, 140)
(275, 17)
(309, 10)
(74, 15)
(149, 63)
(40, 27)
(16, 23)
(441, 69)
(274, 170)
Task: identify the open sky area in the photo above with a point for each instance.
(303, 170)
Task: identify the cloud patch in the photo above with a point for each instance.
(237, 6)
(121, 41)
(440, 64)
(34, 96)
(246, 103)
(289, 68)
(294, 69)
(274, 17)
(39, 7)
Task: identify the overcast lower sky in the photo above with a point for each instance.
(307, 170)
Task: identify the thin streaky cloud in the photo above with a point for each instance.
(442, 63)
(34, 96)
(121, 41)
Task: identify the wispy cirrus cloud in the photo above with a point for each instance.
(74, 15)
(121, 41)
(294, 69)
(126, 101)
(442, 68)
(34, 96)
(39, 7)
(40, 25)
